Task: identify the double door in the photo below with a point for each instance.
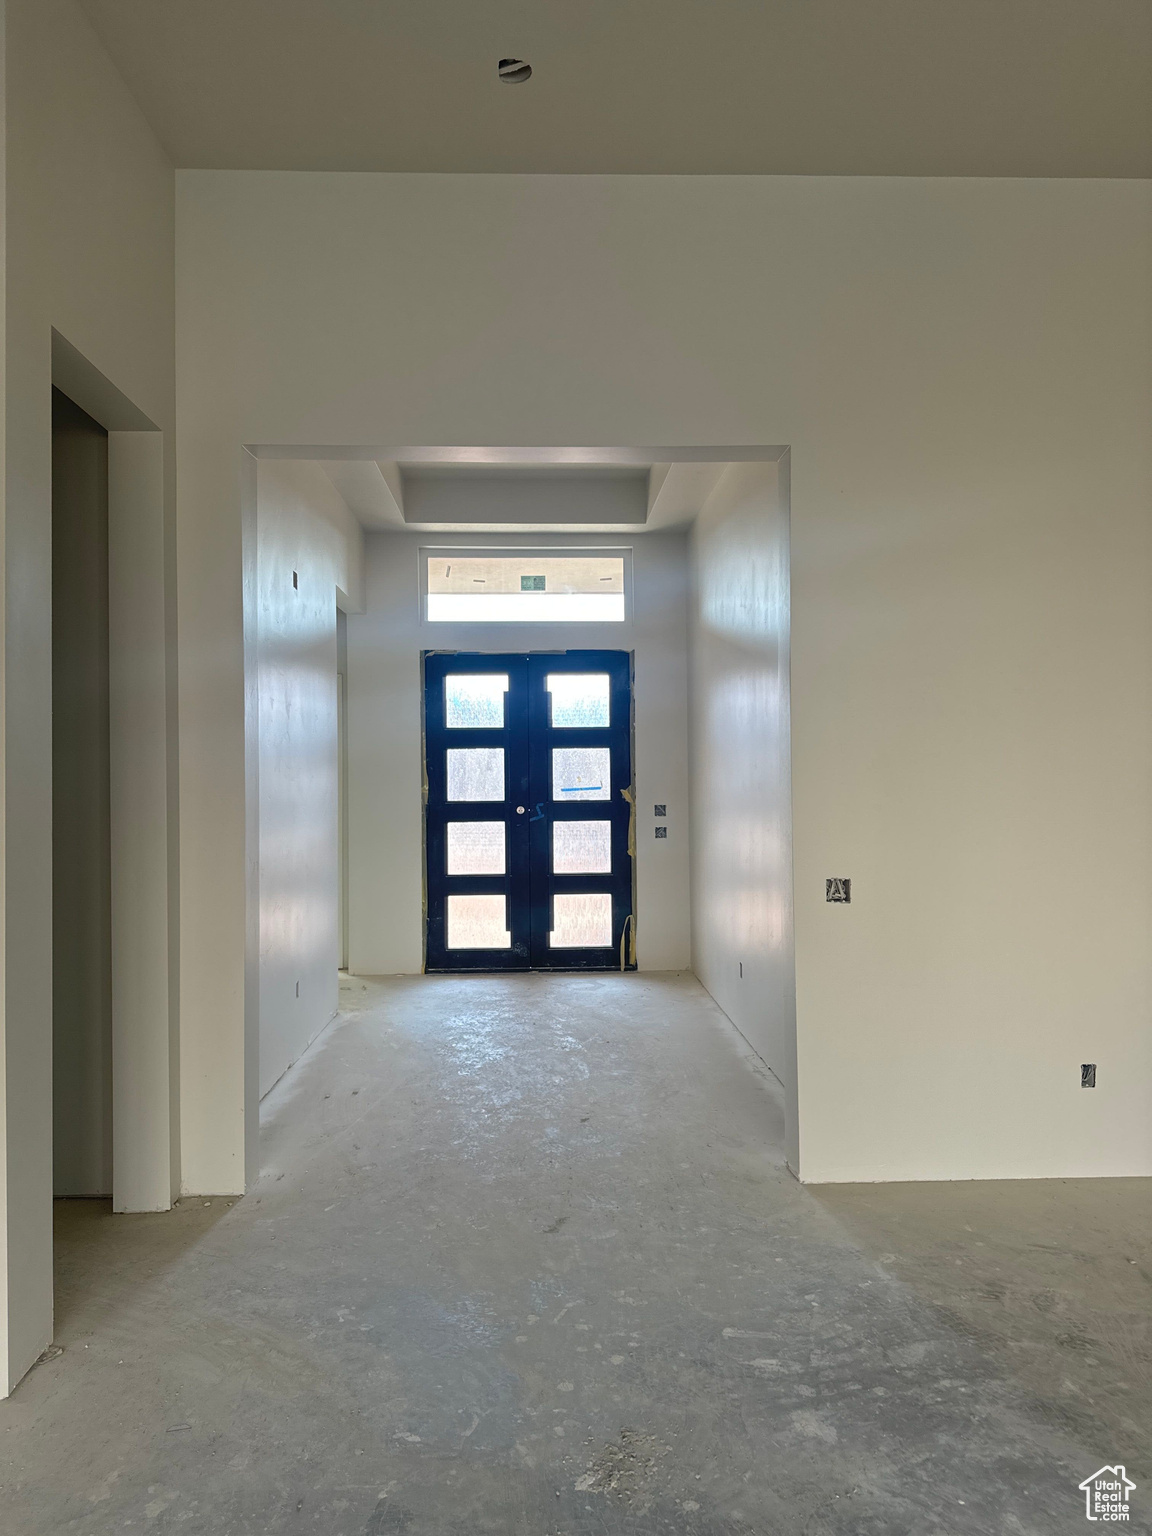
(528, 811)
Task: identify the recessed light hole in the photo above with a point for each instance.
(514, 71)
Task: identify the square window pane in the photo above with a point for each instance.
(478, 922)
(475, 847)
(581, 773)
(579, 699)
(475, 700)
(582, 847)
(475, 773)
(582, 922)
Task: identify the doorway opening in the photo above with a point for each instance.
(529, 818)
(81, 807)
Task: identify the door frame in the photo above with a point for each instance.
(142, 740)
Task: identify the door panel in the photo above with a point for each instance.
(475, 841)
(528, 815)
(580, 724)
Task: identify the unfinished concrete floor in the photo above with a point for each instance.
(524, 1258)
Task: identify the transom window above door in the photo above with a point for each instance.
(525, 588)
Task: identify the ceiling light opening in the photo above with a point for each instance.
(514, 71)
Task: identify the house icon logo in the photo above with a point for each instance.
(1106, 1494)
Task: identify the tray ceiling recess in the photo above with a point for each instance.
(532, 489)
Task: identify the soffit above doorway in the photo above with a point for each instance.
(508, 490)
(822, 87)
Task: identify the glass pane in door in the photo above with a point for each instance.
(475, 773)
(581, 921)
(475, 701)
(582, 848)
(581, 773)
(478, 922)
(579, 700)
(475, 847)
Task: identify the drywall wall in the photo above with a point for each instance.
(385, 714)
(90, 253)
(342, 781)
(962, 371)
(145, 854)
(310, 555)
(742, 940)
(81, 808)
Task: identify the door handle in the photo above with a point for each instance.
(519, 810)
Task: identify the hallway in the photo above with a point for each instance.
(524, 1258)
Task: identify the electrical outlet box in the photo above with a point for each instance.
(1088, 1074)
(838, 888)
(661, 831)
(659, 810)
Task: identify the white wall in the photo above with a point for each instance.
(303, 528)
(90, 251)
(742, 939)
(385, 713)
(961, 369)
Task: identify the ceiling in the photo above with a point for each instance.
(807, 87)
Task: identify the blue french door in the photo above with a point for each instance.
(528, 811)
